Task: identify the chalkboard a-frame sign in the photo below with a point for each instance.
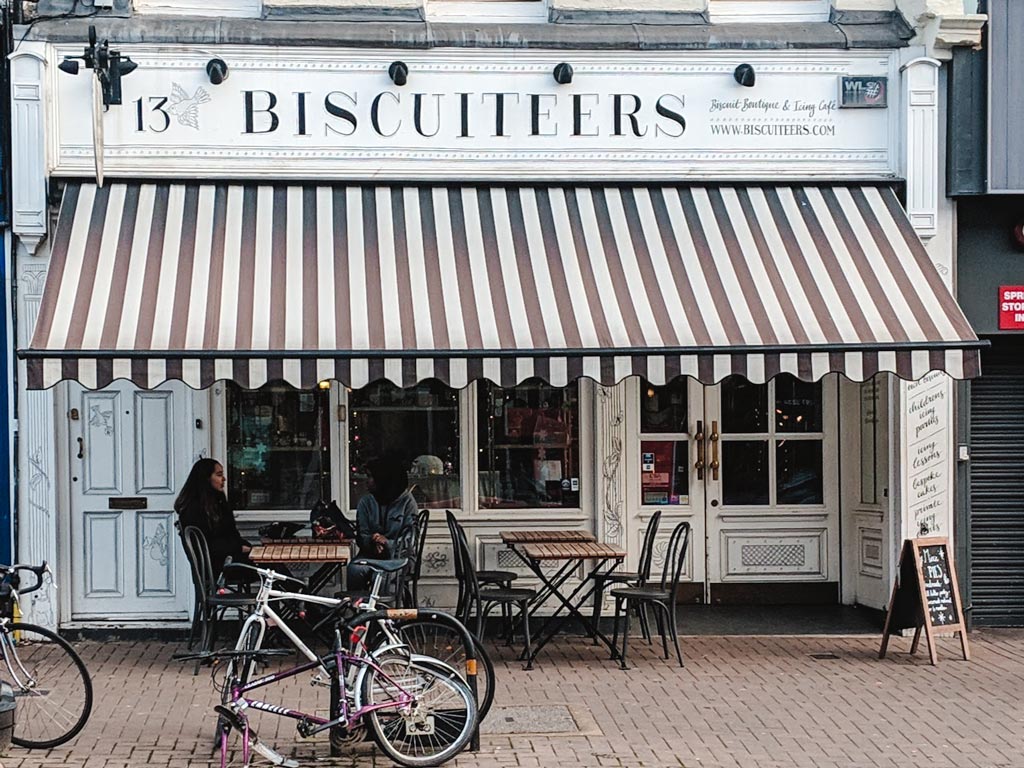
(926, 596)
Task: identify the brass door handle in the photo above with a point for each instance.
(699, 440)
(81, 448)
(714, 450)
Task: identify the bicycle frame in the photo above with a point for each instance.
(262, 611)
(239, 702)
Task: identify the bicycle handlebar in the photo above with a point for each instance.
(36, 570)
(267, 573)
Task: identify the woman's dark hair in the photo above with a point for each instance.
(198, 492)
(390, 478)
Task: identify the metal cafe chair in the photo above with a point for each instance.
(628, 578)
(213, 601)
(484, 577)
(660, 595)
(479, 601)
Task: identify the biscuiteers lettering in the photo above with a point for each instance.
(457, 115)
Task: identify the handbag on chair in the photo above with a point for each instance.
(329, 522)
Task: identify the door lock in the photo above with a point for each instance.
(714, 450)
(699, 440)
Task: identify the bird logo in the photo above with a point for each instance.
(185, 107)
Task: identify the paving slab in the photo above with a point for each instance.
(757, 702)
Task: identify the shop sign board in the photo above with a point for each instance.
(331, 113)
(926, 596)
(1011, 307)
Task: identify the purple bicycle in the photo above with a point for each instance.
(420, 713)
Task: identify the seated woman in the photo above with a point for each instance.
(385, 517)
(202, 504)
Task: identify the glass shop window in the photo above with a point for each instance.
(772, 442)
(278, 447)
(528, 439)
(418, 426)
(664, 443)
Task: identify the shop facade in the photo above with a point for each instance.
(566, 302)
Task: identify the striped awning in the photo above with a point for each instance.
(204, 282)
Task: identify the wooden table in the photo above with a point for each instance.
(329, 555)
(530, 537)
(290, 552)
(572, 553)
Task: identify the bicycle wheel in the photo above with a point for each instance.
(51, 686)
(442, 641)
(250, 639)
(434, 728)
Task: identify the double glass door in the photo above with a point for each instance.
(752, 468)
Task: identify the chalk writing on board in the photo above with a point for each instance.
(938, 586)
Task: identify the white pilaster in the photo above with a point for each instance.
(610, 421)
(28, 145)
(921, 143)
(924, 450)
(37, 449)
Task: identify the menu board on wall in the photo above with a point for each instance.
(927, 465)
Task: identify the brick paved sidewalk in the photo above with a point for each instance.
(740, 701)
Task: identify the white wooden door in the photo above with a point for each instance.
(130, 452)
(771, 485)
(672, 430)
(753, 469)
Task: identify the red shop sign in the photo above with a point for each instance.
(1011, 307)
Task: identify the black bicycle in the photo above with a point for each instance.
(51, 685)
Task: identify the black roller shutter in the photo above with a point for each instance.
(997, 487)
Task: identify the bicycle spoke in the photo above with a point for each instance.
(51, 686)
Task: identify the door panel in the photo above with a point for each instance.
(103, 577)
(127, 459)
(102, 433)
(154, 442)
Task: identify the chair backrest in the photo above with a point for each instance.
(675, 557)
(198, 554)
(453, 525)
(647, 551)
(468, 569)
(422, 523)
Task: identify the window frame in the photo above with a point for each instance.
(338, 448)
(492, 11)
(771, 436)
(769, 11)
(346, 468)
(525, 515)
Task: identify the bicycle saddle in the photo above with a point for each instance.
(387, 566)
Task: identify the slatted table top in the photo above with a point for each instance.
(571, 550)
(301, 553)
(537, 537)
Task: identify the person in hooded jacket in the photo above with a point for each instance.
(385, 517)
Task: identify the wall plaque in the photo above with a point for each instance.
(863, 92)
